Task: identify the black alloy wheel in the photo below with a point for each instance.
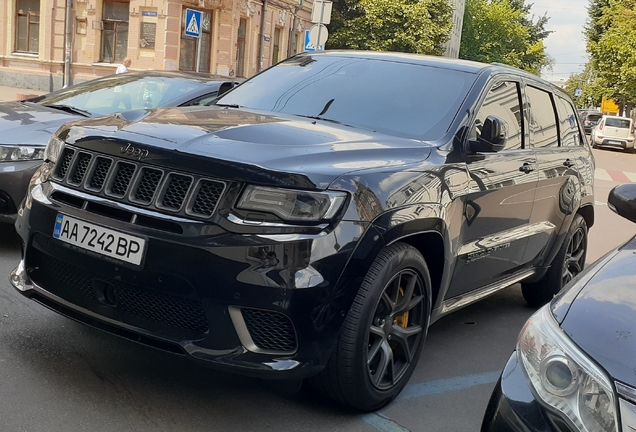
(382, 336)
(567, 263)
(575, 254)
(396, 329)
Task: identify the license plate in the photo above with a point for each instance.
(98, 239)
(614, 142)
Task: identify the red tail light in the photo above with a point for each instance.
(601, 124)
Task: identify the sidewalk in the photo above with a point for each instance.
(11, 93)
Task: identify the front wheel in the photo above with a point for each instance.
(567, 263)
(383, 334)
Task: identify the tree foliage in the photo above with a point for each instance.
(504, 31)
(415, 26)
(591, 90)
(611, 42)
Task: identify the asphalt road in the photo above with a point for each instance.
(57, 375)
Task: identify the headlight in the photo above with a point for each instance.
(292, 205)
(564, 377)
(13, 153)
(53, 149)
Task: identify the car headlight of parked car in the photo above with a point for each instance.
(14, 153)
(53, 149)
(564, 377)
(292, 205)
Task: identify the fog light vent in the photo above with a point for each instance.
(270, 331)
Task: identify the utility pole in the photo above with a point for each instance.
(261, 44)
(67, 44)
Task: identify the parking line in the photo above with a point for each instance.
(382, 422)
(448, 384)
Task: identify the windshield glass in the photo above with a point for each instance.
(123, 92)
(403, 99)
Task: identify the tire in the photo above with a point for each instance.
(567, 263)
(386, 322)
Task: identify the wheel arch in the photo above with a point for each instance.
(587, 211)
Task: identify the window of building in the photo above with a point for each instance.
(503, 102)
(115, 32)
(276, 47)
(543, 123)
(27, 37)
(240, 48)
(190, 50)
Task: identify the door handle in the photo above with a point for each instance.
(569, 163)
(526, 168)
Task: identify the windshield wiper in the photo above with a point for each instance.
(69, 108)
(228, 105)
(321, 118)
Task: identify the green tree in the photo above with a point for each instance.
(592, 90)
(504, 31)
(415, 26)
(611, 37)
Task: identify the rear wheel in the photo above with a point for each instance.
(567, 263)
(383, 334)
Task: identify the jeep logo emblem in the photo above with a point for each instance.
(137, 153)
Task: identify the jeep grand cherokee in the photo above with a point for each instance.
(317, 219)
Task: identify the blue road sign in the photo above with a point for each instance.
(309, 47)
(193, 23)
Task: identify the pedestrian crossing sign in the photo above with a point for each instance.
(193, 23)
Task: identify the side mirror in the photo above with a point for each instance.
(622, 201)
(492, 138)
(226, 87)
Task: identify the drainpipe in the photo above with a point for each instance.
(67, 44)
(293, 43)
(261, 44)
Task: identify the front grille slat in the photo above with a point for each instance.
(80, 168)
(176, 191)
(139, 184)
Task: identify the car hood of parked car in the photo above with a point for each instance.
(30, 123)
(599, 313)
(278, 149)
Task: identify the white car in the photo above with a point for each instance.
(614, 131)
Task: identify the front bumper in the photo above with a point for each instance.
(224, 299)
(14, 182)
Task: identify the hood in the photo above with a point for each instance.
(245, 145)
(601, 318)
(30, 123)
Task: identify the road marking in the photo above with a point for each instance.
(448, 384)
(618, 176)
(599, 203)
(601, 174)
(382, 422)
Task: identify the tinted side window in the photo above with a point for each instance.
(503, 101)
(570, 134)
(543, 128)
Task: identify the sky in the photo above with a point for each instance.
(566, 45)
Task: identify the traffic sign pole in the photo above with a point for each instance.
(322, 11)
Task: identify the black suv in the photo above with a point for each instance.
(317, 220)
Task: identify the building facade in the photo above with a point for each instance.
(455, 37)
(149, 32)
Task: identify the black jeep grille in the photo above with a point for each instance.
(170, 309)
(270, 330)
(139, 184)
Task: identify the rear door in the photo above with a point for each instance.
(560, 150)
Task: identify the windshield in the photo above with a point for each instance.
(402, 99)
(123, 92)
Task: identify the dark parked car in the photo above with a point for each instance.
(590, 119)
(26, 126)
(316, 221)
(573, 369)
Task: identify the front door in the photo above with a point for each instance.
(500, 199)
